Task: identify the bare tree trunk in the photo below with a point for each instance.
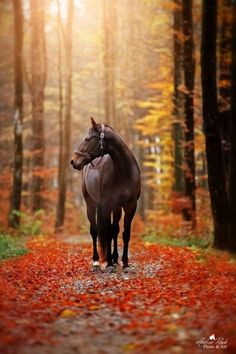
(178, 99)
(232, 170)
(225, 11)
(38, 70)
(189, 73)
(214, 155)
(141, 202)
(66, 146)
(225, 52)
(110, 21)
(60, 210)
(18, 118)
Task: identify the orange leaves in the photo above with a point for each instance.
(172, 297)
(44, 172)
(180, 202)
(93, 307)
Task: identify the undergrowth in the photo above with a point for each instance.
(11, 246)
(30, 224)
(192, 241)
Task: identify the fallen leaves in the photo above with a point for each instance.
(171, 299)
(68, 313)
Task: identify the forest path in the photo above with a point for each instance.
(51, 302)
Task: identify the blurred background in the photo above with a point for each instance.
(132, 64)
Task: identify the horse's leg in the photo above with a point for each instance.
(115, 231)
(105, 233)
(91, 214)
(129, 210)
(108, 232)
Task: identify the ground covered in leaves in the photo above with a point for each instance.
(51, 302)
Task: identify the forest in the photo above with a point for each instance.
(162, 74)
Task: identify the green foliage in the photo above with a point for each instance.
(11, 246)
(30, 224)
(186, 241)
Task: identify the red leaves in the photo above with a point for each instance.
(175, 296)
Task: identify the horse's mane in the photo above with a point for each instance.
(116, 132)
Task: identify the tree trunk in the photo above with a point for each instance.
(225, 11)
(109, 13)
(189, 73)
(225, 51)
(141, 203)
(214, 155)
(38, 70)
(232, 171)
(66, 148)
(60, 208)
(18, 118)
(178, 100)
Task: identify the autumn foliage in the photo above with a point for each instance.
(162, 74)
(174, 297)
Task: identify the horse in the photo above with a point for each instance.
(110, 183)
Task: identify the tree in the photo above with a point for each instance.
(66, 137)
(178, 99)
(232, 170)
(225, 49)
(37, 87)
(189, 73)
(109, 23)
(214, 155)
(18, 116)
(60, 204)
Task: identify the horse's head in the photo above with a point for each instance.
(91, 147)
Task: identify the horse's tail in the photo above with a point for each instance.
(101, 231)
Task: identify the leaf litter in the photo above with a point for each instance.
(51, 301)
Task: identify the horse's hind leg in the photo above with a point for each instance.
(105, 233)
(91, 214)
(129, 214)
(115, 232)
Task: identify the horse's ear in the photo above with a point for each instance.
(94, 124)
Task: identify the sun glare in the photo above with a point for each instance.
(53, 8)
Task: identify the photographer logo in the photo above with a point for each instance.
(212, 342)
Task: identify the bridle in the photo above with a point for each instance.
(101, 145)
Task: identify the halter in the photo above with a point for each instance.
(102, 136)
(89, 156)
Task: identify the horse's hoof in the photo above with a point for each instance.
(116, 266)
(127, 269)
(110, 269)
(96, 268)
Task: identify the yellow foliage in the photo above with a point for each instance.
(67, 313)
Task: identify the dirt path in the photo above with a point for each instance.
(51, 302)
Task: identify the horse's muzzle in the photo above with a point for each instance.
(77, 165)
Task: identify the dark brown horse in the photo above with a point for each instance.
(111, 181)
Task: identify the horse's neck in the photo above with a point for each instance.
(122, 157)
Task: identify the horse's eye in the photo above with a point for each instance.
(90, 137)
